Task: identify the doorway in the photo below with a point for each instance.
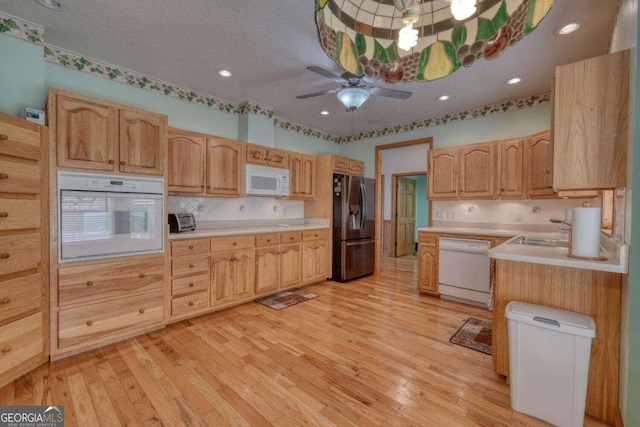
(409, 211)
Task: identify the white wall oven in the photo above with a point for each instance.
(104, 216)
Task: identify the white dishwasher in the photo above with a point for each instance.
(465, 270)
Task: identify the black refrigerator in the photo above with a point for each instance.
(353, 227)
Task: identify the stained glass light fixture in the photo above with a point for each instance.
(407, 40)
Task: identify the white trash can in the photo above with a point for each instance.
(549, 352)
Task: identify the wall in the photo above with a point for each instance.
(624, 37)
(412, 158)
(243, 208)
(22, 71)
(512, 124)
(422, 203)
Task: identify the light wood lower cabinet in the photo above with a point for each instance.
(100, 302)
(315, 256)
(232, 276)
(279, 267)
(24, 247)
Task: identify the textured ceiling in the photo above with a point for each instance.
(268, 44)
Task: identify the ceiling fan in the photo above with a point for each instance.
(354, 90)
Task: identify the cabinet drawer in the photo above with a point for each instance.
(186, 285)
(21, 295)
(19, 253)
(93, 323)
(267, 239)
(189, 303)
(189, 265)
(20, 341)
(427, 239)
(19, 178)
(315, 235)
(291, 237)
(19, 213)
(189, 247)
(18, 141)
(96, 282)
(227, 243)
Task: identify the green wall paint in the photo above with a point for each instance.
(22, 71)
(292, 141)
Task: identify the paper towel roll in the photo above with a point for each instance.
(585, 233)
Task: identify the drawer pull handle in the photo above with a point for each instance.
(235, 243)
(141, 311)
(89, 322)
(190, 265)
(6, 300)
(110, 161)
(191, 285)
(6, 349)
(190, 246)
(190, 303)
(4, 176)
(4, 214)
(268, 240)
(142, 275)
(89, 283)
(4, 255)
(4, 137)
(122, 162)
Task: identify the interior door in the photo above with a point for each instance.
(406, 216)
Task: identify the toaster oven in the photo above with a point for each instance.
(179, 222)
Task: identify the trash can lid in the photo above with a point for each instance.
(551, 318)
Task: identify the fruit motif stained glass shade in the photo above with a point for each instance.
(361, 35)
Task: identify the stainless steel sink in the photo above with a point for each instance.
(540, 241)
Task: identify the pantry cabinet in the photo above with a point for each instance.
(301, 176)
(186, 162)
(92, 134)
(265, 156)
(225, 167)
(24, 247)
(511, 155)
(590, 120)
(539, 165)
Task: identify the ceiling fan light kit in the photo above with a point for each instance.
(353, 97)
(409, 40)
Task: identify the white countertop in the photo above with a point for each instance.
(229, 231)
(477, 231)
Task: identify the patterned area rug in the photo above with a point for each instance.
(286, 299)
(474, 334)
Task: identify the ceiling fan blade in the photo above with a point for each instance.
(325, 73)
(348, 76)
(324, 92)
(390, 93)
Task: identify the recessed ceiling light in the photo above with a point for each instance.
(513, 81)
(443, 97)
(225, 73)
(324, 112)
(51, 4)
(567, 28)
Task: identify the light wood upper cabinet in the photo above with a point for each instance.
(301, 176)
(98, 135)
(186, 162)
(443, 173)
(225, 167)
(142, 142)
(86, 135)
(539, 165)
(590, 123)
(477, 166)
(510, 168)
(265, 156)
(347, 166)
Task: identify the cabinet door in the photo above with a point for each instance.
(308, 181)
(86, 134)
(295, 175)
(356, 167)
(222, 277)
(225, 167)
(443, 174)
(267, 269)
(590, 123)
(186, 163)
(142, 142)
(510, 168)
(340, 164)
(290, 265)
(277, 158)
(320, 260)
(477, 171)
(427, 269)
(257, 155)
(539, 170)
(245, 274)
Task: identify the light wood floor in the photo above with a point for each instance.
(370, 352)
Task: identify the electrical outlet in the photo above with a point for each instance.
(518, 217)
(536, 210)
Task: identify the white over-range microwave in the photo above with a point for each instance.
(266, 181)
(104, 216)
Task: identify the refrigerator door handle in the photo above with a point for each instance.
(363, 204)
